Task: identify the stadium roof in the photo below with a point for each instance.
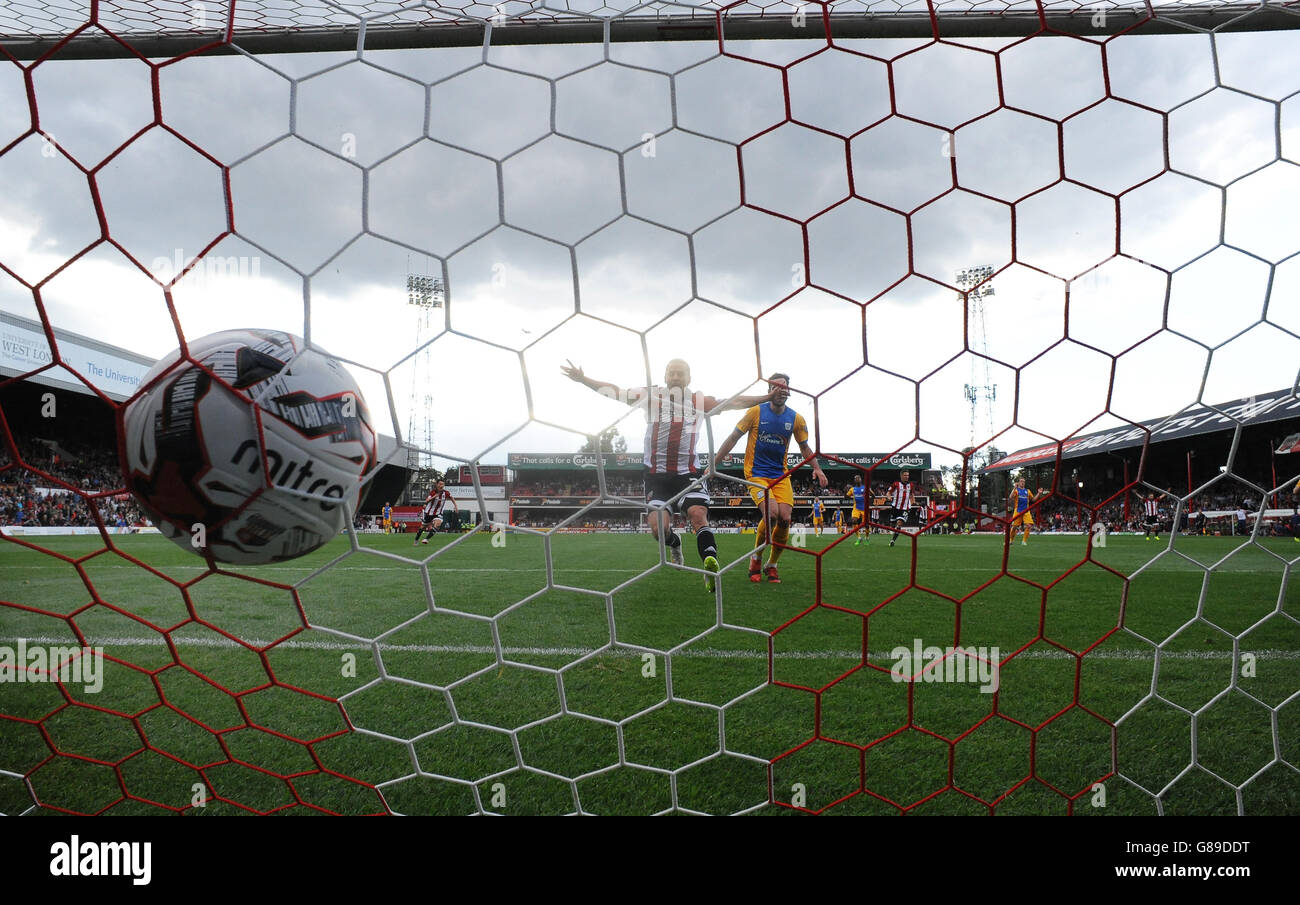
(24, 348)
(115, 371)
(1279, 405)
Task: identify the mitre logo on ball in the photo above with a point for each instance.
(258, 462)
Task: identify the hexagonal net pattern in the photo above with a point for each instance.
(839, 208)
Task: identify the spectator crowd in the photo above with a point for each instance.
(31, 499)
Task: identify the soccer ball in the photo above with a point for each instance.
(192, 452)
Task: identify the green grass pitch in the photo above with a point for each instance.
(489, 680)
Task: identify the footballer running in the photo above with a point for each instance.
(769, 426)
(858, 518)
(431, 516)
(900, 503)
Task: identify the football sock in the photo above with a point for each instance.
(780, 535)
(705, 543)
(673, 540)
(760, 536)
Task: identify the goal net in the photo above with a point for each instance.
(964, 230)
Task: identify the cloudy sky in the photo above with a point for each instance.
(588, 208)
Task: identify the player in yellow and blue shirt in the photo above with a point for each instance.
(769, 426)
(859, 517)
(388, 517)
(817, 519)
(1018, 503)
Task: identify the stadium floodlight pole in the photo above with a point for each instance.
(976, 285)
(424, 293)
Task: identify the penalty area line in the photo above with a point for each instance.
(708, 653)
(435, 569)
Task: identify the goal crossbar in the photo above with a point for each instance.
(170, 32)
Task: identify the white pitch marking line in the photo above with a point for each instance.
(703, 653)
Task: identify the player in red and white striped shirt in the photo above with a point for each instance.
(674, 415)
(431, 515)
(900, 495)
(1151, 513)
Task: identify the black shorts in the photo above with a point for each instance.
(899, 515)
(1152, 523)
(660, 488)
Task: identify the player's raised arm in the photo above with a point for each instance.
(740, 402)
(603, 387)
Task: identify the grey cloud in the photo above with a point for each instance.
(140, 187)
(15, 114)
(748, 260)
(338, 110)
(729, 99)
(1260, 62)
(861, 98)
(433, 198)
(229, 106)
(46, 194)
(795, 171)
(858, 249)
(297, 200)
(91, 112)
(902, 164)
(682, 181)
(490, 111)
(1052, 76)
(614, 106)
(561, 189)
(1160, 71)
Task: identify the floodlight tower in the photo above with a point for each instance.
(975, 287)
(424, 293)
